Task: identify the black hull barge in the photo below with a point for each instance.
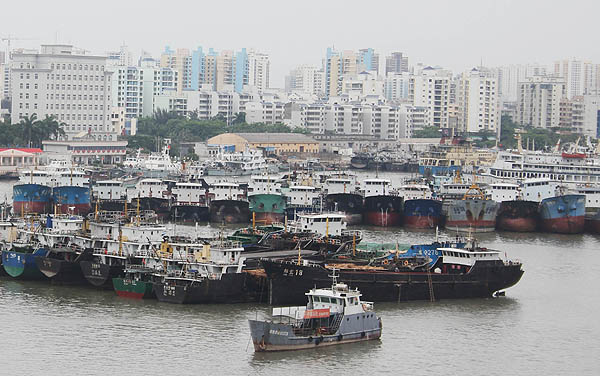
(230, 288)
(447, 279)
(63, 267)
(100, 274)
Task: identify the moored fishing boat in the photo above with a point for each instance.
(333, 316)
(228, 203)
(136, 282)
(19, 261)
(267, 208)
(342, 195)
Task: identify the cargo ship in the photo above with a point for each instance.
(190, 202)
(153, 194)
(342, 195)
(382, 207)
(136, 282)
(267, 208)
(422, 213)
(518, 216)
(228, 203)
(32, 198)
(475, 212)
(72, 199)
(109, 195)
(456, 273)
(563, 214)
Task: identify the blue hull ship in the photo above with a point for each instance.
(438, 170)
(72, 199)
(31, 198)
(20, 263)
(422, 213)
(563, 214)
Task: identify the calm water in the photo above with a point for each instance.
(546, 325)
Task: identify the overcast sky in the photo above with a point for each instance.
(453, 34)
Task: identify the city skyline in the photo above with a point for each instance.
(455, 36)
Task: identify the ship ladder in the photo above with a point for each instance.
(430, 284)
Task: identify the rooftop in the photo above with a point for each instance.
(276, 137)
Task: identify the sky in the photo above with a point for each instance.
(456, 35)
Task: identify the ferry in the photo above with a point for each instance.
(333, 316)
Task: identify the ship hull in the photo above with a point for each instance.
(563, 214)
(99, 274)
(472, 215)
(288, 282)
(21, 265)
(422, 213)
(229, 289)
(592, 223)
(60, 271)
(269, 336)
(383, 211)
(350, 204)
(132, 289)
(518, 216)
(161, 206)
(229, 211)
(268, 208)
(112, 205)
(32, 198)
(190, 213)
(68, 198)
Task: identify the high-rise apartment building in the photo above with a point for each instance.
(338, 65)
(539, 101)
(397, 62)
(477, 101)
(62, 81)
(430, 88)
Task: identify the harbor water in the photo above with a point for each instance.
(545, 325)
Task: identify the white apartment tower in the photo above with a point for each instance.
(259, 67)
(477, 100)
(539, 101)
(64, 82)
(431, 89)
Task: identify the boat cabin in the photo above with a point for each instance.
(227, 191)
(457, 260)
(151, 188)
(538, 189)
(109, 190)
(376, 187)
(325, 224)
(339, 185)
(190, 193)
(264, 184)
(504, 192)
(415, 192)
(302, 196)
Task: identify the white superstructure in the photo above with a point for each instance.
(56, 174)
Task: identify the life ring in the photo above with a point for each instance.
(405, 262)
(385, 262)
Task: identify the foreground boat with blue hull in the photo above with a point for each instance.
(333, 316)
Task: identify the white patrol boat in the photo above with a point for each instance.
(332, 316)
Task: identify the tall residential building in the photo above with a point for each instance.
(229, 70)
(396, 85)
(591, 115)
(181, 61)
(477, 102)
(397, 62)
(64, 82)
(121, 58)
(539, 101)
(338, 65)
(430, 88)
(305, 79)
(510, 76)
(5, 81)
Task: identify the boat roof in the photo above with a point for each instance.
(150, 180)
(467, 251)
(322, 215)
(339, 290)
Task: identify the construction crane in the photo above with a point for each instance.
(8, 39)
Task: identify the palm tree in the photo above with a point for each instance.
(28, 126)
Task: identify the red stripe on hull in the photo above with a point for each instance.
(30, 207)
(81, 209)
(130, 295)
(516, 224)
(383, 219)
(565, 225)
(269, 218)
(413, 221)
(480, 226)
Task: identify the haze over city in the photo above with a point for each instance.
(455, 35)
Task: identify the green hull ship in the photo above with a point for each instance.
(267, 208)
(136, 284)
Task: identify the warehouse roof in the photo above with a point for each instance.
(276, 138)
